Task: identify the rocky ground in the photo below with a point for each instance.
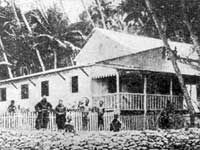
(124, 140)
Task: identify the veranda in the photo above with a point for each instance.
(139, 91)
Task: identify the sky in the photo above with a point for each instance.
(72, 7)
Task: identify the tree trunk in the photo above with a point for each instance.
(6, 59)
(26, 22)
(172, 57)
(36, 50)
(40, 59)
(42, 11)
(63, 10)
(55, 59)
(86, 9)
(101, 13)
(15, 13)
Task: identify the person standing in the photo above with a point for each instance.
(101, 111)
(60, 111)
(42, 108)
(85, 114)
(12, 108)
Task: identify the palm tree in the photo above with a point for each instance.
(53, 37)
(6, 25)
(105, 15)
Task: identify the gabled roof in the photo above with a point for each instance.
(106, 44)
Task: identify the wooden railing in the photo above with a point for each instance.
(131, 101)
(135, 101)
(109, 100)
(26, 121)
(158, 102)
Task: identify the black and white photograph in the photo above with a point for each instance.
(99, 75)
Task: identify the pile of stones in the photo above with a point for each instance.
(124, 140)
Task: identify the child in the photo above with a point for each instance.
(68, 126)
(115, 124)
(101, 111)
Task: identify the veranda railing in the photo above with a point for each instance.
(135, 101)
(26, 121)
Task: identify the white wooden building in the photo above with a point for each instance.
(127, 72)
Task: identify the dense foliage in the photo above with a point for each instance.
(57, 41)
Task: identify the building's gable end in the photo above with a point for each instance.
(100, 47)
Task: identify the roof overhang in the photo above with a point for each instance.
(99, 71)
(117, 67)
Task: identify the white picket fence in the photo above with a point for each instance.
(26, 121)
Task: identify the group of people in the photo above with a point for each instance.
(43, 108)
(63, 121)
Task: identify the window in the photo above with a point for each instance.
(24, 91)
(3, 94)
(74, 84)
(45, 88)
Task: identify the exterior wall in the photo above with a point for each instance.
(58, 89)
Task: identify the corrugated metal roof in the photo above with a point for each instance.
(106, 44)
(102, 71)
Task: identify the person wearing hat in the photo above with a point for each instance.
(12, 108)
(42, 108)
(101, 111)
(60, 111)
(115, 125)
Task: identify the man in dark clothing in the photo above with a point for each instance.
(12, 108)
(101, 111)
(167, 115)
(115, 124)
(60, 111)
(42, 108)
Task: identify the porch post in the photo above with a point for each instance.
(171, 87)
(145, 101)
(94, 103)
(117, 91)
